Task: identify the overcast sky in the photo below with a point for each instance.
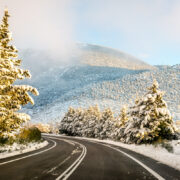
(147, 29)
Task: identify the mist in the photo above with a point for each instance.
(46, 26)
(148, 30)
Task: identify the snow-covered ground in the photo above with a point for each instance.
(15, 149)
(158, 153)
(82, 86)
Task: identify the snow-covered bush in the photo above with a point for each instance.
(149, 119)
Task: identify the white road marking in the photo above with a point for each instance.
(131, 157)
(69, 142)
(74, 166)
(30, 154)
(54, 168)
(137, 161)
(76, 163)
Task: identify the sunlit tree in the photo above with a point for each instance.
(12, 97)
(123, 116)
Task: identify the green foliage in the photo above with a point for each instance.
(164, 144)
(168, 147)
(29, 135)
(7, 140)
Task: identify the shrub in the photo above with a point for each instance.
(29, 135)
(6, 140)
(3, 140)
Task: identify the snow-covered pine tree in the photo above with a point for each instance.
(91, 118)
(122, 119)
(67, 121)
(108, 123)
(73, 122)
(12, 97)
(120, 123)
(98, 125)
(149, 120)
(88, 122)
(77, 123)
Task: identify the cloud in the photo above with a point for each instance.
(135, 26)
(42, 24)
(143, 55)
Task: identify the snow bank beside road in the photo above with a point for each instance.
(158, 153)
(16, 149)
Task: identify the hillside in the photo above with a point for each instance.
(109, 87)
(86, 84)
(94, 55)
(84, 54)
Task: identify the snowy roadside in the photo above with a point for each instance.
(16, 149)
(158, 153)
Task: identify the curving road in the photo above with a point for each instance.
(76, 159)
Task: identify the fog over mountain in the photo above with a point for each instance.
(82, 54)
(94, 55)
(94, 75)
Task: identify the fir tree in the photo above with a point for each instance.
(12, 97)
(122, 117)
(120, 122)
(91, 118)
(108, 123)
(87, 122)
(150, 119)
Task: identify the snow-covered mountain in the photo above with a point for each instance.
(94, 55)
(38, 61)
(94, 80)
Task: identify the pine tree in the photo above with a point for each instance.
(67, 121)
(120, 122)
(123, 116)
(88, 122)
(91, 118)
(149, 120)
(12, 97)
(108, 123)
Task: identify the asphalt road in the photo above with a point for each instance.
(77, 159)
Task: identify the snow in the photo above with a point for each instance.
(84, 86)
(160, 154)
(16, 149)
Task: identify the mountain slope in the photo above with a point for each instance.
(84, 54)
(94, 55)
(84, 84)
(109, 87)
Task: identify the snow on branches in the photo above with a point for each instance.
(88, 122)
(147, 121)
(149, 118)
(12, 97)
